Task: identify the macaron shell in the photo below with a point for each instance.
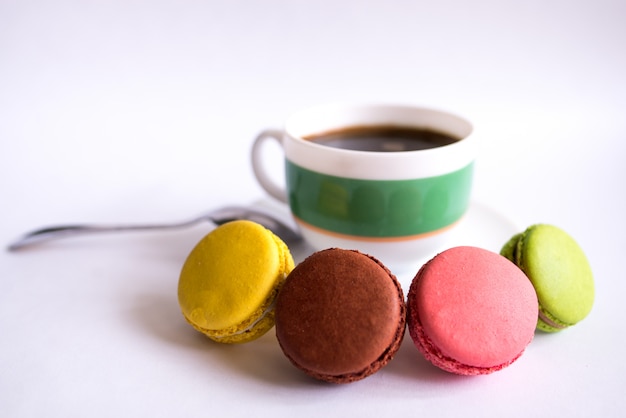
(340, 316)
(471, 311)
(561, 274)
(230, 280)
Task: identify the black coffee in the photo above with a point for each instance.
(382, 138)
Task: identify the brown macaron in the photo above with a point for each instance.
(340, 315)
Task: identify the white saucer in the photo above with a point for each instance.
(482, 227)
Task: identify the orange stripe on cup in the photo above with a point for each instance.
(375, 239)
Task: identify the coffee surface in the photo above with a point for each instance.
(382, 138)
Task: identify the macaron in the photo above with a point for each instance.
(560, 272)
(340, 315)
(471, 311)
(229, 282)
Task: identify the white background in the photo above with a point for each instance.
(138, 111)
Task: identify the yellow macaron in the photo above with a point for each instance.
(229, 282)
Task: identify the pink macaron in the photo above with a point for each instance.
(471, 311)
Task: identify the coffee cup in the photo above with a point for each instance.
(388, 180)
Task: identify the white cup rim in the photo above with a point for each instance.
(378, 165)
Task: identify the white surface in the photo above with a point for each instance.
(145, 111)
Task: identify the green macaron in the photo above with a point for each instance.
(559, 271)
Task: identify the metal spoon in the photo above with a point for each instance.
(218, 217)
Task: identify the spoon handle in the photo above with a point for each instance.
(217, 217)
(62, 231)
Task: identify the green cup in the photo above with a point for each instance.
(399, 206)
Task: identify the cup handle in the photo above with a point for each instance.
(258, 167)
